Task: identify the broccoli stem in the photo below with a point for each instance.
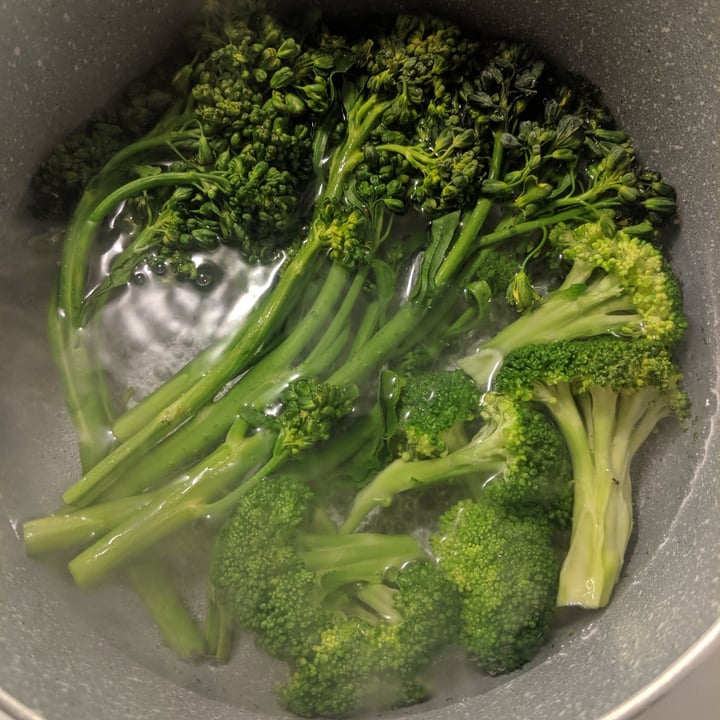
(339, 560)
(380, 598)
(482, 456)
(169, 612)
(182, 502)
(212, 487)
(260, 327)
(83, 381)
(72, 528)
(258, 387)
(153, 419)
(408, 320)
(84, 388)
(219, 628)
(602, 511)
(618, 424)
(120, 273)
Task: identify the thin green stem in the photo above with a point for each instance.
(167, 608)
(467, 241)
(258, 387)
(186, 500)
(259, 329)
(72, 528)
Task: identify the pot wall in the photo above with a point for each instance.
(70, 658)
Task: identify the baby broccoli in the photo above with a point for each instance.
(410, 188)
(310, 411)
(606, 395)
(505, 569)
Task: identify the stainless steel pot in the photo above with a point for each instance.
(73, 656)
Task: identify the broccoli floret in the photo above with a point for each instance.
(606, 396)
(517, 457)
(618, 284)
(430, 412)
(67, 171)
(506, 571)
(358, 618)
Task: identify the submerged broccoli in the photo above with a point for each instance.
(413, 188)
(517, 458)
(606, 395)
(310, 410)
(506, 571)
(430, 411)
(358, 618)
(617, 285)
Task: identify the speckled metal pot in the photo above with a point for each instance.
(65, 659)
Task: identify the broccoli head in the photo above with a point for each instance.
(358, 618)
(506, 571)
(431, 412)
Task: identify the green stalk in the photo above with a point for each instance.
(84, 388)
(219, 628)
(602, 516)
(73, 528)
(381, 599)
(171, 615)
(408, 320)
(174, 403)
(212, 487)
(120, 273)
(83, 382)
(258, 387)
(477, 457)
(183, 502)
(338, 560)
(467, 242)
(260, 327)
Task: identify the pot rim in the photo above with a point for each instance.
(662, 684)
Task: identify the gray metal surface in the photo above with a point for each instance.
(76, 657)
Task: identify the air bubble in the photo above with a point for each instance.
(159, 267)
(206, 275)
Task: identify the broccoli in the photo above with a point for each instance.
(505, 569)
(310, 411)
(429, 411)
(409, 188)
(350, 229)
(517, 458)
(606, 396)
(617, 285)
(357, 618)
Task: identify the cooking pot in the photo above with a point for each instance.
(69, 655)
